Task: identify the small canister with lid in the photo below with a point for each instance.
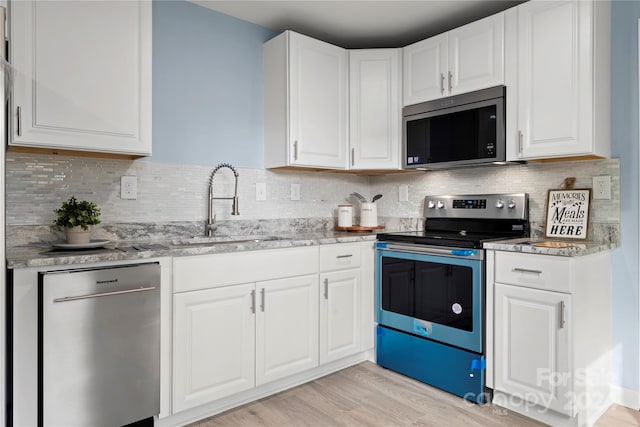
(345, 215)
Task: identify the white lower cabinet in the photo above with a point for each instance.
(340, 302)
(339, 314)
(245, 323)
(551, 338)
(532, 346)
(287, 327)
(233, 331)
(213, 345)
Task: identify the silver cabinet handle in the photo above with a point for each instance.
(326, 288)
(295, 150)
(19, 120)
(526, 270)
(104, 294)
(441, 84)
(253, 301)
(344, 256)
(520, 136)
(562, 321)
(353, 156)
(262, 299)
(450, 78)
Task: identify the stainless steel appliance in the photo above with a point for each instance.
(460, 130)
(430, 288)
(99, 345)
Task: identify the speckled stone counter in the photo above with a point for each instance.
(42, 255)
(527, 245)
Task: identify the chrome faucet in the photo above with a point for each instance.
(211, 225)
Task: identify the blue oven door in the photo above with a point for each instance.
(437, 295)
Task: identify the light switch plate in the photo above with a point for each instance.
(128, 187)
(295, 191)
(602, 187)
(261, 191)
(403, 193)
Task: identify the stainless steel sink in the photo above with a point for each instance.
(213, 241)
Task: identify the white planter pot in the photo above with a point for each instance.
(77, 235)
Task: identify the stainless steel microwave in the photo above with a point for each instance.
(460, 130)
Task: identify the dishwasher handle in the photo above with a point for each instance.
(104, 294)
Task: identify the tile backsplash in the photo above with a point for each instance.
(37, 184)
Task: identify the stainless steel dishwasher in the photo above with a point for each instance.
(99, 346)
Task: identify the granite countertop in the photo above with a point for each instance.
(43, 255)
(531, 246)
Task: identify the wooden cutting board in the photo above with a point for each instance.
(359, 228)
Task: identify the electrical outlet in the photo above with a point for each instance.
(295, 191)
(261, 191)
(403, 193)
(129, 187)
(602, 187)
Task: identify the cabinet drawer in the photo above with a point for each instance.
(211, 271)
(545, 272)
(339, 256)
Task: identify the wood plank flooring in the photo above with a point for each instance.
(368, 395)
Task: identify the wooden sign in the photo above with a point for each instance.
(568, 213)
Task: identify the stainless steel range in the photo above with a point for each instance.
(430, 289)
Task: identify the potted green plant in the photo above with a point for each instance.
(76, 218)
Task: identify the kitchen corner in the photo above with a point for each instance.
(276, 272)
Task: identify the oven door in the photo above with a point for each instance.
(435, 295)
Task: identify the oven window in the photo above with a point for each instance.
(436, 292)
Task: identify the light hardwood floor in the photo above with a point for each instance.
(368, 395)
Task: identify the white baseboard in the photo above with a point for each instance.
(626, 397)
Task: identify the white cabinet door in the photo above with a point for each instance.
(424, 65)
(562, 80)
(305, 97)
(213, 345)
(340, 326)
(374, 105)
(462, 60)
(287, 327)
(83, 76)
(532, 330)
(476, 55)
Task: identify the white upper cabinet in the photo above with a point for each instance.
(305, 103)
(558, 79)
(374, 107)
(82, 76)
(462, 60)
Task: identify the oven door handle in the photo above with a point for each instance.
(430, 250)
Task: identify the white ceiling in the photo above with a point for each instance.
(361, 23)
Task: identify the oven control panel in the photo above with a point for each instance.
(469, 203)
(508, 206)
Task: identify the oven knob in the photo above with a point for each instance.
(511, 204)
(499, 204)
(440, 204)
(431, 204)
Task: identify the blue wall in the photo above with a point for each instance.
(624, 139)
(207, 86)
